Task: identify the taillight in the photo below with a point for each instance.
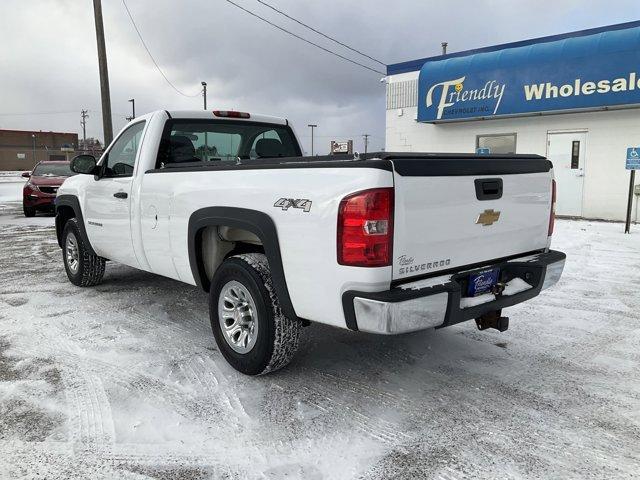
(231, 114)
(365, 228)
(552, 215)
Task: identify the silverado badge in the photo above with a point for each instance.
(488, 217)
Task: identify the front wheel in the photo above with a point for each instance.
(84, 269)
(250, 329)
(29, 211)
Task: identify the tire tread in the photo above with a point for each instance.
(91, 267)
(287, 331)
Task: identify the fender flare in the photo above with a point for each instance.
(258, 223)
(73, 202)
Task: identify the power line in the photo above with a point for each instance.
(151, 56)
(302, 38)
(320, 33)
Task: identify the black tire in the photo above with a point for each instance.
(29, 211)
(277, 336)
(90, 268)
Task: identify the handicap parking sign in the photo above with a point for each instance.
(633, 158)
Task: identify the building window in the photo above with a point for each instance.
(575, 154)
(497, 143)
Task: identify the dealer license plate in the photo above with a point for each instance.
(482, 282)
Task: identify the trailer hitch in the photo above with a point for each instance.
(493, 319)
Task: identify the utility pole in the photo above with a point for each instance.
(83, 122)
(366, 142)
(204, 94)
(133, 108)
(444, 48)
(107, 126)
(312, 126)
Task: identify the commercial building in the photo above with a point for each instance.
(573, 98)
(21, 149)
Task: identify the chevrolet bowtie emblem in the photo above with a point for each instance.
(488, 217)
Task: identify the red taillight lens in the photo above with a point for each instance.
(552, 215)
(365, 228)
(231, 114)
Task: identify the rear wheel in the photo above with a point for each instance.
(84, 269)
(250, 329)
(29, 211)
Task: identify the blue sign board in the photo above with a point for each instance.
(633, 158)
(587, 72)
(483, 151)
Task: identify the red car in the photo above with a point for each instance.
(40, 191)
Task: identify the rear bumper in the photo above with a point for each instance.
(436, 302)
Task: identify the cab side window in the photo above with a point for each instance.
(122, 157)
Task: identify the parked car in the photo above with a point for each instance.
(385, 243)
(40, 190)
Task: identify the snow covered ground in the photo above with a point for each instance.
(10, 187)
(124, 381)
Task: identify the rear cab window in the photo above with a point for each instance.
(210, 142)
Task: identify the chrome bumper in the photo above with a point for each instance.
(423, 304)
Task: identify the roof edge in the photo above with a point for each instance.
(36, 131)
(416, 65)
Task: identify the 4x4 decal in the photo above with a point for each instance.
(286, 203)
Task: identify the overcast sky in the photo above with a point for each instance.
(49, 64)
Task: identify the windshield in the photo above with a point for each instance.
(52, 170)
(185, 141)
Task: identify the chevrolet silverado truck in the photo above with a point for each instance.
(385, 243)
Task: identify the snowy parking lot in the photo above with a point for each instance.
(124, 380)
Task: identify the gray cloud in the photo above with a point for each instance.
(48, 55)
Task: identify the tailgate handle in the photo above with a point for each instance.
(488, 188)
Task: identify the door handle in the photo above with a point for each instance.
(120, 195)
(488, 188)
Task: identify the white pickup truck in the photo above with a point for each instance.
(388, 243)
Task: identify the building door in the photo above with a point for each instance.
(567, 152)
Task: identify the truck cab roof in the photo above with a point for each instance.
(227, 115)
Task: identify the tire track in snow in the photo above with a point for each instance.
(323, 392)
(203, 371)
(94, 419)
(208, 373)
(180, 400)
(60, 460)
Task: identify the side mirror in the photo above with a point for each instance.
(26, 174)
(84, 164)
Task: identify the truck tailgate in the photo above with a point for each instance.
(450, 213)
